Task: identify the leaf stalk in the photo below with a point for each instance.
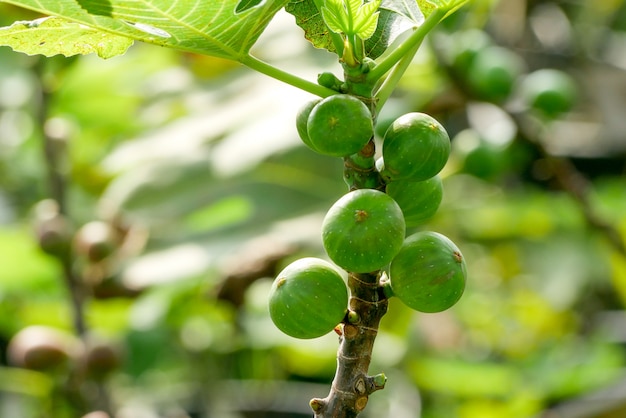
(286, 77)
(410, 45)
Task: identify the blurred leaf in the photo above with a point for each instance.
(489, 214)
(25, 382)
(148, 350)
(45, 310)
(24, 267)
(225, 212)
(618, 267)
(109, 316)
(273, 191)
(313, 360)
(461, 378)
(519, 405)
(573, 367)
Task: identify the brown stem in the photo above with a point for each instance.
(77, 297)
(360, 169)
(352, 385)
(57, 187)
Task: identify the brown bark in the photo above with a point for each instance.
(352, 385)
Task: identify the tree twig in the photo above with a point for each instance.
(352, 385)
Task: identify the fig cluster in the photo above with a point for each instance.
(428, 273)
(364, 231)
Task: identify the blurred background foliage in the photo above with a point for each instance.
(147, 201)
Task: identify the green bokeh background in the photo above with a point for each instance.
(199, 159)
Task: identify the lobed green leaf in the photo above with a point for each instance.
(225, 29)
(309, 18)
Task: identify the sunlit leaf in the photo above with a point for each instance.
(25, 382)
(395, 17)
(309, 18)
(334, 16)
(24, 266)
(53, 36)
(246, 4)
(427, 6)
(226, 29)
(351, 17)
(367, 20)
(465, 378)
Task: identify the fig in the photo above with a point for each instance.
(43, 348)
(101, 357)
(466, 45)
(308, 298)
(429, 272)
(363, 230)
(328, 79)
(493, 73)
(339, 125)
(96, 240)
(53, 229)
(301, 122)
(549, 91)
(419, 200)
(479, 157)
(415, 147)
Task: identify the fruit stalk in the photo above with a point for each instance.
(360, 169)
(352, 385)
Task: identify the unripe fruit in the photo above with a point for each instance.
(479, 157)
(549, 91)
(101, 357)
(328, 79)
(419, 200)
(466, 45)
(493, 73)
(42, 348)
(416, 147)
(308, 298)
(363, 230)
(339, 125)
(429, 273)
(301, 122)
(96, 240)
(55, 236)
(53, 229)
